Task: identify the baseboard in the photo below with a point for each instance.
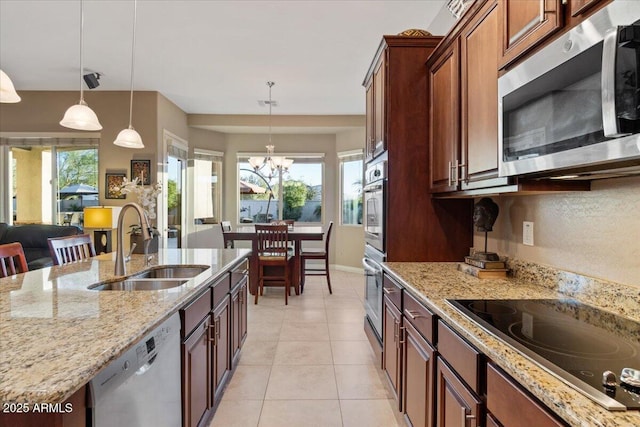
(347, 268)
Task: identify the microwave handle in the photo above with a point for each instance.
(609, 117)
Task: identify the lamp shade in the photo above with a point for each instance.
(105, 217)
(8, 93)
(129, 138)
(80, 117)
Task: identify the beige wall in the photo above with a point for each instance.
(348, 239)
(595, 233)
(29, 170)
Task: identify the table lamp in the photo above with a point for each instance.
(104, 219)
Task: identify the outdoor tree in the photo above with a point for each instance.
(78, 167)
(295, 194)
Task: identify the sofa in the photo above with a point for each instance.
(33, 238)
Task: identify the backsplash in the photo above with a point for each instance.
(614, 297)
(594, 233)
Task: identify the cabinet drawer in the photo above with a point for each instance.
(221, 288)
(195, 311)
(512, 405)
(419, 316)
(239, 272)
(461, 356)
(393, 291)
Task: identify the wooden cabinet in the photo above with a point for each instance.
(457, 406)
(392, 346)
(444, 119)
(220, 351)
(464, 106)
(239, 295)
(510, 405)
(375, 110)
(418, 370)
(525, 24)
(479, 54)
(577, 10)
(196, 362)
(417, 228)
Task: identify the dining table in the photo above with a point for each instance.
(296, 234)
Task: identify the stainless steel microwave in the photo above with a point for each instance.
(574, 106)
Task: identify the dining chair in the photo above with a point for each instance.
(71, 248)
(12, 259)
(275, 262)
(226, 226)
(316, 254)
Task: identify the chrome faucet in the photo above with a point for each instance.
(121, 265)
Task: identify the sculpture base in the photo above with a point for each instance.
(485, 256)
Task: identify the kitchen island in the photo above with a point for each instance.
(55, 334)
(432, 284)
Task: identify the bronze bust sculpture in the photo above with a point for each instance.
(485, 213)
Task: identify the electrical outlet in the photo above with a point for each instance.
(527, 233)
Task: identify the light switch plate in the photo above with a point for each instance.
(527, 233)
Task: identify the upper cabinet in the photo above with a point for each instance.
(464, 107)
(375, 131)
(524, 24)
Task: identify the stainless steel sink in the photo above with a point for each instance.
(135, 284)
(169, 271)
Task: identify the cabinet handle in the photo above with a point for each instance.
(402, 334)
(217, 327)
(454, 172)
(466, 417)
(212, 336)
(413, 315)
(395, 331)
(449, 177)
(463, 176)
(389, 291)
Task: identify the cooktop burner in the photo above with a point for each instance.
(580, 344)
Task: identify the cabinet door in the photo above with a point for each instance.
(369, 129)
(578, 10)
(418, 371)
(244, 296)
(391, 356)
(456, 405)
(196, 356)
(379, 128)
(444, 84)
(221, 346)
(524, 24)
(235, 324)
(479, 97)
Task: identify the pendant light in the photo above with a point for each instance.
(80, 116)
(8, 93)
(129, 138)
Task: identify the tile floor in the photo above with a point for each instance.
(308, 363)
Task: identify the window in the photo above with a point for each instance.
(51, 180)
(207, 167)
(351, 187)
(297, 194)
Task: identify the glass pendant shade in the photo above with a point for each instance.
(8, 93)
(129, 138)
(80, 117)
(256, 162)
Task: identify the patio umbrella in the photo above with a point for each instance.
(78, 191)
(249, 188)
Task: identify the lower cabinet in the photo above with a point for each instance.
(239, 296)
(196, 381)
(392, 349)
(418, 369)
(456, 404)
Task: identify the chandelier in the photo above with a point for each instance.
(270, 165)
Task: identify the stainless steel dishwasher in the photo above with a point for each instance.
(142, 387)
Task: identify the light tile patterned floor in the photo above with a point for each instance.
(308, 363)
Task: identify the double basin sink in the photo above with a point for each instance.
(154, 279)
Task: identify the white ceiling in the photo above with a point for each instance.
(209, 57)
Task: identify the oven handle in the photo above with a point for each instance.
(608, 81)
(370, 188)
(372, 267)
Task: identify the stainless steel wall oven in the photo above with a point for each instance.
(375, 200)
(373, 288)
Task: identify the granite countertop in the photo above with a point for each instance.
(433, 283)
(55, 334)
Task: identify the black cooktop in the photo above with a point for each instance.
(576, 342)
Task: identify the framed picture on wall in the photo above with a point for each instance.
(112, 184)
(141, 169)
